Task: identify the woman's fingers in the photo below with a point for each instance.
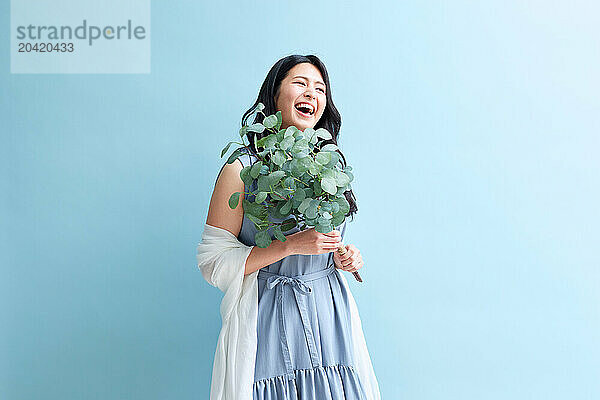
(331, 242)
(337, 261)
(351, 261)
(358, 266)
(346, 256)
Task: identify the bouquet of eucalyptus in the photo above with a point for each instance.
(299, 180)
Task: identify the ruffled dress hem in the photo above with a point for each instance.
(332, 382)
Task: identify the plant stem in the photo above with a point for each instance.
(301, 181)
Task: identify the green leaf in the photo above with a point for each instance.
(243, 131)
(335, 207)
(234, 200)
(258, 127)
(314, 168)
(276, 176)
(260, 197)
(280, 193)
(296, 168)
(270, 141)
(306, 163)
(255, 170)
(342, 179)
(344, 205)
(286, 207)
(317, 187)
(304, 205)
(323, 157)
(225, 149)
(279, 158)
(278, 234)
(287, 166)
(323, 228)
(287, 142)
(311, 222)
(267, 183)
(329, 147)
(264, 183)
(338, 219)
(234, 156)
(311, 210)
(289, 182)
(270, 121)
(257, 221)
(350, 175)
(280, 135)
(260, 107)
(262, 239)
(310, 134)
(290, 131)
(275, 212)
(302, 153)
(267, 142)
(323, 133)
(321, 220)
(326, 206)
(335, 157)
(328, 173)
(279, 119)
(264, 153)
(328, 185)
(257, 210)
(245, 175)
(299, 196)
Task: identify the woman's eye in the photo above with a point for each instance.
(304, 84)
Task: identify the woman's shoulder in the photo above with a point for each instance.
(232, 171)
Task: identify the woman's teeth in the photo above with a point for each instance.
(305, 110)
(303, 114)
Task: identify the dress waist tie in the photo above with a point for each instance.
(300, 290)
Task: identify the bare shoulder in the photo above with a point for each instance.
(219, 212)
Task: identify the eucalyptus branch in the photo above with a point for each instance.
(260, 158)
(303, 178)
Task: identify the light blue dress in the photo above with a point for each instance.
(304, 348)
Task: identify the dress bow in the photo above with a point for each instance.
(297, 283)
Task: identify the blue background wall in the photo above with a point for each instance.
(473, 132)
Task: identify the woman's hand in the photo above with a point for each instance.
(351, 261)
(309, 242)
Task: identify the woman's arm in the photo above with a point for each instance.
(222, 216)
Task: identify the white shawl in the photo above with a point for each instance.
(222, 259)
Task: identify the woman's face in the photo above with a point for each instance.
(302, 88)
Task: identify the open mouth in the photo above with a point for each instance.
(304, 109)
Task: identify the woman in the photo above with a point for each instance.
(304, 335)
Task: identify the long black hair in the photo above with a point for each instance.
(330, 120)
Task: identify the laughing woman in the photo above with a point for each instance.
(309, 341)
